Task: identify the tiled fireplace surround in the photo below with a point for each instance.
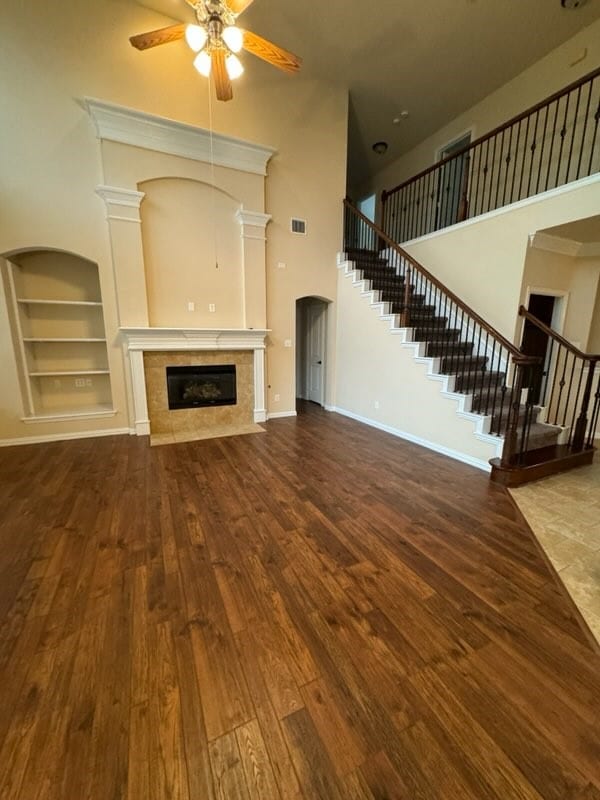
(151, 350)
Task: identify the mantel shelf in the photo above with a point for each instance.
(37, 301)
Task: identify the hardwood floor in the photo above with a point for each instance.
(320, 612)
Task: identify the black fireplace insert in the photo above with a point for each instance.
(193, 387)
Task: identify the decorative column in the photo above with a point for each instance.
(124, 223)
(253, 229)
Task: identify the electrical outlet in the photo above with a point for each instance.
(377, 404)
(191, 306)
(88, 381)
(281, 265)
(80, 383)
(211, 308)
(287, 343)
(277, 398)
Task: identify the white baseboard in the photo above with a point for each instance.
(409, 437)
(60, 437)
(279, 414)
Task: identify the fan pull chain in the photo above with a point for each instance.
(212, 176)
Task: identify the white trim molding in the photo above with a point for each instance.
(124, 125)
(61, 437)
(281, 414)
(121, 204)
(553, 244)
(409, 437)
(253, 224)
(139, 340)
(566, 247)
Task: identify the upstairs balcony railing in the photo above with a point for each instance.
(551, 144)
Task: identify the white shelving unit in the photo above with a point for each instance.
(58, 330)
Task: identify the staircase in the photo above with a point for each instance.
(455, 354)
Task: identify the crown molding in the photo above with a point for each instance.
(554, 244)
(117, 123)
(589, 250)
(565, 247)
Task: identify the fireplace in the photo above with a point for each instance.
(198, 386)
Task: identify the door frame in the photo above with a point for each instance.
(461, 214)
(559, 313)
(301, 347)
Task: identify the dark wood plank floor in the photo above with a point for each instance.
(321, 612)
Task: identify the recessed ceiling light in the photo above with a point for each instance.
(402, 115)
(380, 148)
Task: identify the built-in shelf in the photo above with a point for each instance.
(65, 414)
(66, 339)
(69, 372)
(60, 343)
(31, 301)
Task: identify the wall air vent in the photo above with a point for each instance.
(298, 226)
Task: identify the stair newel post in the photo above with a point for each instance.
(511, 440)
(405, 316)
(582, 420)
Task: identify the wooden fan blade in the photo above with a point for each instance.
(222, 82)
(237, 6)
(271, 53)
(143, 41)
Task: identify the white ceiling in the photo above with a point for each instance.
(435, 58)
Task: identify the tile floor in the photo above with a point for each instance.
(214, 432)
(563, 511)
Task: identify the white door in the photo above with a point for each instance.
(315, 320)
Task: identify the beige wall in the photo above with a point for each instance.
(548, 75)
(192, 253)
(574, 279)
(482, 261)
(379, 380)
(51, 164)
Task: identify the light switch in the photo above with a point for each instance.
(191, 306)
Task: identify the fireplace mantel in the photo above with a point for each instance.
(138, 340)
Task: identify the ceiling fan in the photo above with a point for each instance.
(216, 39)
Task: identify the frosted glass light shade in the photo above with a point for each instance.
(233, 66)
(203, 63)
(233, 38)
(196, 37)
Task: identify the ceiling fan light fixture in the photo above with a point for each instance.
(233, 38)
(233, 66)
(195, 36)
(203, 63)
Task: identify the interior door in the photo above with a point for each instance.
(452, 183)
(316, 352)
(535, 341)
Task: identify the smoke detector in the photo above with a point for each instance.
(572, 4)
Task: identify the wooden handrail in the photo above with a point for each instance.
(513, 121)
(517, 355)
(557, 337)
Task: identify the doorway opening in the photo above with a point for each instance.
(453, 183)
(548, 308)
(311, 334)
